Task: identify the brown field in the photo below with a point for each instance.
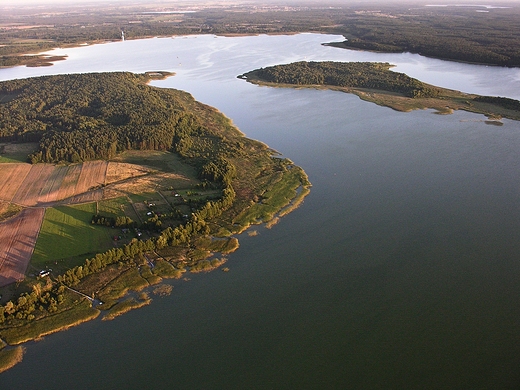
(41, 184)
(11, 177)
(18, 237)
(30, 189)
(93, 174)
(90, 196)
(117, 171)
(68, 184)
(51, 188)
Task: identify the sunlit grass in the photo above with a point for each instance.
(67, 232)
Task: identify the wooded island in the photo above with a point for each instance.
(375, 82)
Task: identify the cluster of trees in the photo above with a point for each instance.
(119, 221)
(41, 300)
(153, 223)
(344, 74)
(219, 169)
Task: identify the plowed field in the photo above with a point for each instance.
(11, 178)
(41, 184)
(17, 239)
(30, 189)
(93, 174)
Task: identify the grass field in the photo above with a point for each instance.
(67, 232)
(114, 207)
(16, 153)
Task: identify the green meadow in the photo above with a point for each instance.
(114, 207)
(67, 233)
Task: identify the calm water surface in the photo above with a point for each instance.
(401, 269)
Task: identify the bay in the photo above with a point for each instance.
(400, 270)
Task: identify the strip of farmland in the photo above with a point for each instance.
(17, 239)
(11, 178)
(31, 188)
(92, 174)
(40, 184)
(68, 185)
(51, 188)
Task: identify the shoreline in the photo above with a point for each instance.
(446, 103)
(110, 279)
(339, 45)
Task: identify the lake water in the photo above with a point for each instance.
(400, 270)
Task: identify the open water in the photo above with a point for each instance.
(400, 270)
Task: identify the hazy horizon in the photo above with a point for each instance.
(280, 2)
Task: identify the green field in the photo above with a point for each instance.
(114, 207)
(67, 233)
(15, 159)
(16, 153)
(164, 161)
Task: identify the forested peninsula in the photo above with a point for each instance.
(174, 181)
(375, 82)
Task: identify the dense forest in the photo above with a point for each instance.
(95, 116)
(344, 74)
(469, 33)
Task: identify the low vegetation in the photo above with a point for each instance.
(125, 306)
(9, 357)
(8, 210)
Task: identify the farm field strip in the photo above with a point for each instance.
(50, 190)
(17, 240)
(29, 192)
(69, 183)
(32, 185)
(92, 174)
(85, 197)
(11, 178)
